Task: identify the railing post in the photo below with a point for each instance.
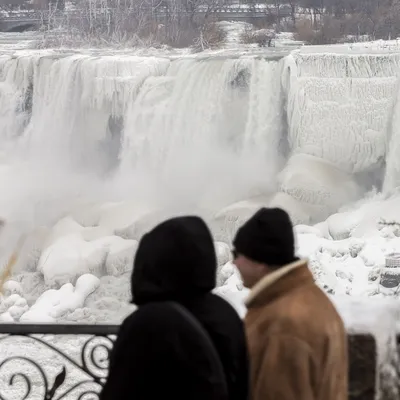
(362, 367)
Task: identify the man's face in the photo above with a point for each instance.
(251, 271)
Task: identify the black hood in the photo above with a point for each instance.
(176, 260)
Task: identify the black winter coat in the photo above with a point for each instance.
(158, 354)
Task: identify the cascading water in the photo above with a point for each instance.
(202, 132)
(184, 126)
(177, 133)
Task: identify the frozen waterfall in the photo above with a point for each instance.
(197, 132)
(339, 112)
(180, 133)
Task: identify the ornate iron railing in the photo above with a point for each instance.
(90, 362)
(80, 372)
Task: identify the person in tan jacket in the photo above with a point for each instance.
(297, 340)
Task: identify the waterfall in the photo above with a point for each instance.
(191, 132)
(184, 126)
(197, 132)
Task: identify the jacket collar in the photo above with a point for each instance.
(277, 283)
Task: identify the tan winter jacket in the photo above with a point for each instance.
(297, 340)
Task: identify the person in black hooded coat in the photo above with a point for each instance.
(158, 353)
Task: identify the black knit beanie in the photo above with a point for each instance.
(267, 237)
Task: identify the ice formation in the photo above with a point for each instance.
(95, 149)
(339, 112)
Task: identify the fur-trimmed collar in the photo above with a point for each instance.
(271, 278)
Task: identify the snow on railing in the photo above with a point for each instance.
(33, 361)
(75, 377)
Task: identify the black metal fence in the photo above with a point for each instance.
(24, 376)
(79, 371)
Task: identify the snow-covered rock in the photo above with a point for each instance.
(11, 287)
(70, 257)
(12, 306)
(54, 304)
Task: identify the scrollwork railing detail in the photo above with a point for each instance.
(93, 363)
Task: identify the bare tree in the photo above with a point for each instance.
(293, 10)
